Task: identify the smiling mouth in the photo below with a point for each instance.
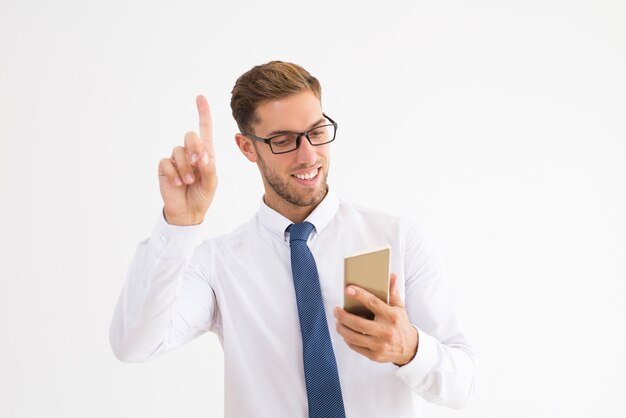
(308, 176)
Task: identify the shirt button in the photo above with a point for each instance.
(163, 238)
(144, 284)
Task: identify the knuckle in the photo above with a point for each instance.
(178, 151)
(164, 163)
(340, 315)
(191, 138)
(166, 167)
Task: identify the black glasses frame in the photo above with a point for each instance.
(268, 141)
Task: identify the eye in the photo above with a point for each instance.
(317, 132)
(284, 140)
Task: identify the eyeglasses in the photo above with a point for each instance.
(290, 141)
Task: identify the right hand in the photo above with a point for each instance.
(187, 179)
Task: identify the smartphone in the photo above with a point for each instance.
(369, 270)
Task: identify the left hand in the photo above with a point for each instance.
(389, 337)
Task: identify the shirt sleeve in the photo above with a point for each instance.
(166, 299)
(443, 371)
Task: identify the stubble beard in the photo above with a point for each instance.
(282, 187)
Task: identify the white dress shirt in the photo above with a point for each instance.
(240, 286)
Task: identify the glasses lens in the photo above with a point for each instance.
(289, 141)
(284, 143)
(322, 134)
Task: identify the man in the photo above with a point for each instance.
(272, 290)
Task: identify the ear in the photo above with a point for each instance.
(245, 146)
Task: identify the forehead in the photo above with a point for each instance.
(293, 113)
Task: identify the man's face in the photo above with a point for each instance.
(297, 177)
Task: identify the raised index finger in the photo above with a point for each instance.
(206, 124)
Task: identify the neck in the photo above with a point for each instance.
(294, 213)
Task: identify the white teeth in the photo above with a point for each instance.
(307, 176)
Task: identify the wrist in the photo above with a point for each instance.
(189, 220)
(413, 347)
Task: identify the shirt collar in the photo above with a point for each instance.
(320, 217)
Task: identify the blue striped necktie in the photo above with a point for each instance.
(320, 368)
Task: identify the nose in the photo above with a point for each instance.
(306, 153)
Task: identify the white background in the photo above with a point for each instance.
(497, 126)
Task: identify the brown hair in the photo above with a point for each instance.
(274, 80)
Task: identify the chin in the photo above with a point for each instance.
(305, 198)
(293, 193)
(314, 200)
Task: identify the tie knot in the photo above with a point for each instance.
(300, 231)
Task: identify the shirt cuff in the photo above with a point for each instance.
(426, 358)
(169, 241)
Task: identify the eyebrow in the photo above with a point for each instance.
(322, 120)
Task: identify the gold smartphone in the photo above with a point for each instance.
(369, 270)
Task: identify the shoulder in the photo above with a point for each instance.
(406, 232)
(233, 238)
(354, 210)
(379, 218)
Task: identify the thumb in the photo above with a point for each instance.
(394, 292)
(206, 167)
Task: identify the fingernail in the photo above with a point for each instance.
(177, 181)
(205, 159)
(351, 291)
(188, 179)
(194, 158)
